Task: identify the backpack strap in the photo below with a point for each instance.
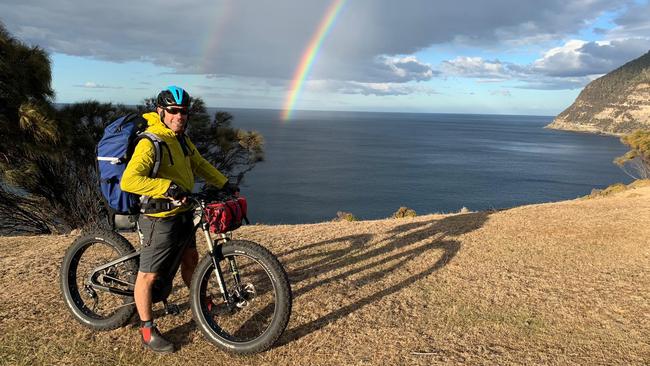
(157, 149)
(157, 158)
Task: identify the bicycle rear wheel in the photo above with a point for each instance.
(94, 308)
(261, 298)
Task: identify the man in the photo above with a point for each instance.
(167, 229)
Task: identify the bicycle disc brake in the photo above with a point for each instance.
(244, 295)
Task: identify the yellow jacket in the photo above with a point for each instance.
(136, 176)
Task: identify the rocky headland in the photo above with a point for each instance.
(614, 104)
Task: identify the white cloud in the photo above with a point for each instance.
(379, 89)
(540, 82)
(501, 92)
(409, 68)
(385, 89)
(577, 58)
(477, 67)
(570, 66)
(631, 23)
(368, 51)
(94, 85)
(267, 38)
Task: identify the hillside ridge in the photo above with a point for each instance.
(614, 104)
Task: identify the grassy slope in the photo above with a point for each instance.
(561, 283)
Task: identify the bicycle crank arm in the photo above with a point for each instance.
(112, 290)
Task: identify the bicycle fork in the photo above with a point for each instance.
(217, 255)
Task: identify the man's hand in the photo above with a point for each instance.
(176, 193)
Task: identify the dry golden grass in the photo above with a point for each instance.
(562, 283)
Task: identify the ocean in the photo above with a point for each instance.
(370, 164)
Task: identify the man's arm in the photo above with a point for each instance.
(136, 176)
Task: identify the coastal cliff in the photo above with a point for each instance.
(614, 104)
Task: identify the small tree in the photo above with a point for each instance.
(30, 135)
(636, 162)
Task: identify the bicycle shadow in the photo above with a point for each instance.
(358, 261)
(404, 244)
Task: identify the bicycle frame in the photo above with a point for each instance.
(214, 247)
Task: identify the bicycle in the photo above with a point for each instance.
(242, 307)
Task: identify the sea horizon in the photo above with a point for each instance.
(211, 110)
(322, 162)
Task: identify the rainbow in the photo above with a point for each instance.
(308, 57)
(223, 13)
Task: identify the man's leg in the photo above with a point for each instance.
(157, 250)
(142, 293)
(150, 335)
(189, 257)
(188, 264)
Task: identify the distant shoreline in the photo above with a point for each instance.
(585, 131)
(59, 105)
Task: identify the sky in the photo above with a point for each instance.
(460, 56)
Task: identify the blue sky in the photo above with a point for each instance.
(462, 56)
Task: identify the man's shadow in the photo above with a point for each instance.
(403, 244)
(383, 257)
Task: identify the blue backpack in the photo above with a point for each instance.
(113, 153)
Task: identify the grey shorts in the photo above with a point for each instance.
(164, 240)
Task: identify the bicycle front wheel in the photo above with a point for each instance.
(259, 293)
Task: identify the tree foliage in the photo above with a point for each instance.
(636, 162)
(29, 134)
(48, 180)
(233, 151)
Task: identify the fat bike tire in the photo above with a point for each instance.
(87, 252)
(262, 288)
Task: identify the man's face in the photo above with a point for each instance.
(175, 118)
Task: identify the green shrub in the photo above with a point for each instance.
(345, 216)
(614, 188)
(404, 212)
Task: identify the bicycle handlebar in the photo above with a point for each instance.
(211, 196)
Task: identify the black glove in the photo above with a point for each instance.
(176, 193)
(230, 188)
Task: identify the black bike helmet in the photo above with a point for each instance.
(173, 96)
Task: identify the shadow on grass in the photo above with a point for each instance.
(404, 244)
(344, 255)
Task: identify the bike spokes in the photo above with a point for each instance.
(91, 299)
(249, 309)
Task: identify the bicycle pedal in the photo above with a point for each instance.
(172, 309)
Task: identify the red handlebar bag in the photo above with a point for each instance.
(227, 215)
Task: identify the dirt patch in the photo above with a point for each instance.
(562, 283)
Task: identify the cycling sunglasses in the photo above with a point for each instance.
(183, 111)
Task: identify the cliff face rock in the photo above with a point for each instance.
(614, 104)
